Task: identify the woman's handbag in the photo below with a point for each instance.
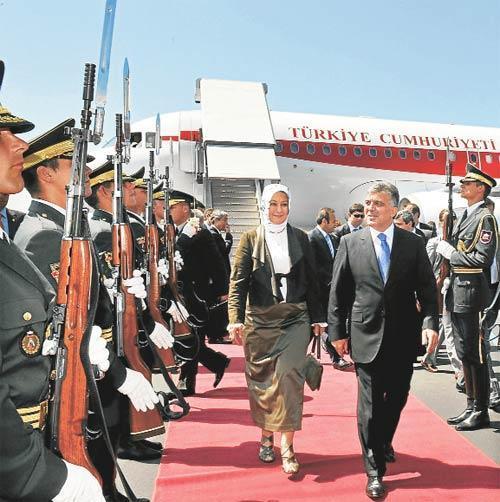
(313, 371)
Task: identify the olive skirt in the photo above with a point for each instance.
(275, 349)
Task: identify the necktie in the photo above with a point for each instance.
(355, 229)
(330, 245)
(385, 257)
(463, 218)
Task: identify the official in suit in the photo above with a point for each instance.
(28, 469)
(10, 218)
(273, 303)
(324, 246)
(378, 275)
(355, 216)
(423, 229)
(204, 283)
(471, 254)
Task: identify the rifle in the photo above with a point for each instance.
(448, 218)
(75, 307)
(149, 423)
(152, 243)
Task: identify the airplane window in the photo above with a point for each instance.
(488, 158)
(279, 147)
(372, 152)
(473, 157)
(388, 153)
(327, 150)
(294, 147)
(310, 148)
(431, 155)
(416, 154)
(357, 151)
(342, 151)
(402, 154)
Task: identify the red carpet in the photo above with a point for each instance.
(211, 455)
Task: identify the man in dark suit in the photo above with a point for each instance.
(354, 220)
(378, 275)
(404, 220)
(420, 228)
(204, 282)
(324, 247)
(10, 218)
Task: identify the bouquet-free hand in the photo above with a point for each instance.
(236, 333)
(162, 337)
(135, 285)
(80, 486)
(139, 391)
(178, 312)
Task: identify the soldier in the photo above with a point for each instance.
(101, 199)
(29, 471)
(471, 255)
(46, 172)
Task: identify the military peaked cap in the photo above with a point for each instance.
(14, 124)
(475, 174)
(105, 172)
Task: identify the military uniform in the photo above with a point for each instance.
(475, 239)
(28, 469)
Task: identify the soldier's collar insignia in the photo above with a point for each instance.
(54, 271)
(30, 344)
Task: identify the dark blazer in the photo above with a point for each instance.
(324, 262)
(223, 249)
(428, 230)
(252, 276)
(342, 230)
(364, 309)
(28, 470)
(203, 268)
(14, 218)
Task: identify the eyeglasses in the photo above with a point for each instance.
(357, 215)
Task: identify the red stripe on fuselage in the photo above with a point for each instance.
(374, 157)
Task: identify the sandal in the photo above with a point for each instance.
(290, 463)
(266, 452)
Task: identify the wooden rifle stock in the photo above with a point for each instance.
(73, 292)
(180, 329)
(152, 247)
(149, 423)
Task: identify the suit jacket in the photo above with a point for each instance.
(252, 276)
(14, 218)
(324, 262)
(222, 247)
(428, 230)
(342, 230)
(203, 272)
(28, 470)
(368, 311)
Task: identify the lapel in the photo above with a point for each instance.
(396, 252)
(99, 214)
(11, 256)
(321, 237)
(368, 251)
(45, 211)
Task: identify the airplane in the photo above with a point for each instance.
(224, 153)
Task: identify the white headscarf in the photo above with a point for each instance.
(267, 195)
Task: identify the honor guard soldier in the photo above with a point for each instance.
(471, 254)
(28, 470)
(101, 199)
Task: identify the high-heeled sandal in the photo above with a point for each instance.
(290, 463)
(266, 452)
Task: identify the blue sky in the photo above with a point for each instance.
(424, 60)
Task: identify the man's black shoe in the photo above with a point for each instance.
(495, 405)
(459, 418)
(219, 340)
(152, 444)
(134, 450)
(390, 455)
(460, 387)
(375, 489)
(220, 374)
(476, 420)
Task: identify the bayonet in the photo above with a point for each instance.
(2, 71)
(103, 70)
(126, 112)
(158, 135)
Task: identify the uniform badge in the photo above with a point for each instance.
(54, 271)
(30, 344)
(485, 237)
(108, 258)
(141, 241)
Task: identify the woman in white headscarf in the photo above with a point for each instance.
(273, 302)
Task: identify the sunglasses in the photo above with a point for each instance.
(357, 215)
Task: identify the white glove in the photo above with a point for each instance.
(161, 337)
(80, 486)
(109, 283)
(179, 262)
(178, 312)
(446, 285)
(189, 229)
(98, 353)
(135, 285)
(139, 391)
(445, 249)
(163, 268)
